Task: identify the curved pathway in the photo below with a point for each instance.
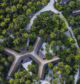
(50, 7)
(70, 29)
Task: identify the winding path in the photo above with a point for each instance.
(50, 7)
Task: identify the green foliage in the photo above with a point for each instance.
(72, 20)
(50, 65)
(14, 17)
(58, 6)
(23, 77)
(52, 28)
(48, 55)
(78, 81)
(44, 27)
(64, 71)
(32, 68)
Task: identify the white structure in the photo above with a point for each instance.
(25, 64)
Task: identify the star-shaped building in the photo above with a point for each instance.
(32, 54)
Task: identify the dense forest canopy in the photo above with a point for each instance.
(15, 15)
(72, 17)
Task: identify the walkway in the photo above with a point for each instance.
(33, 54)
(50, 7)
